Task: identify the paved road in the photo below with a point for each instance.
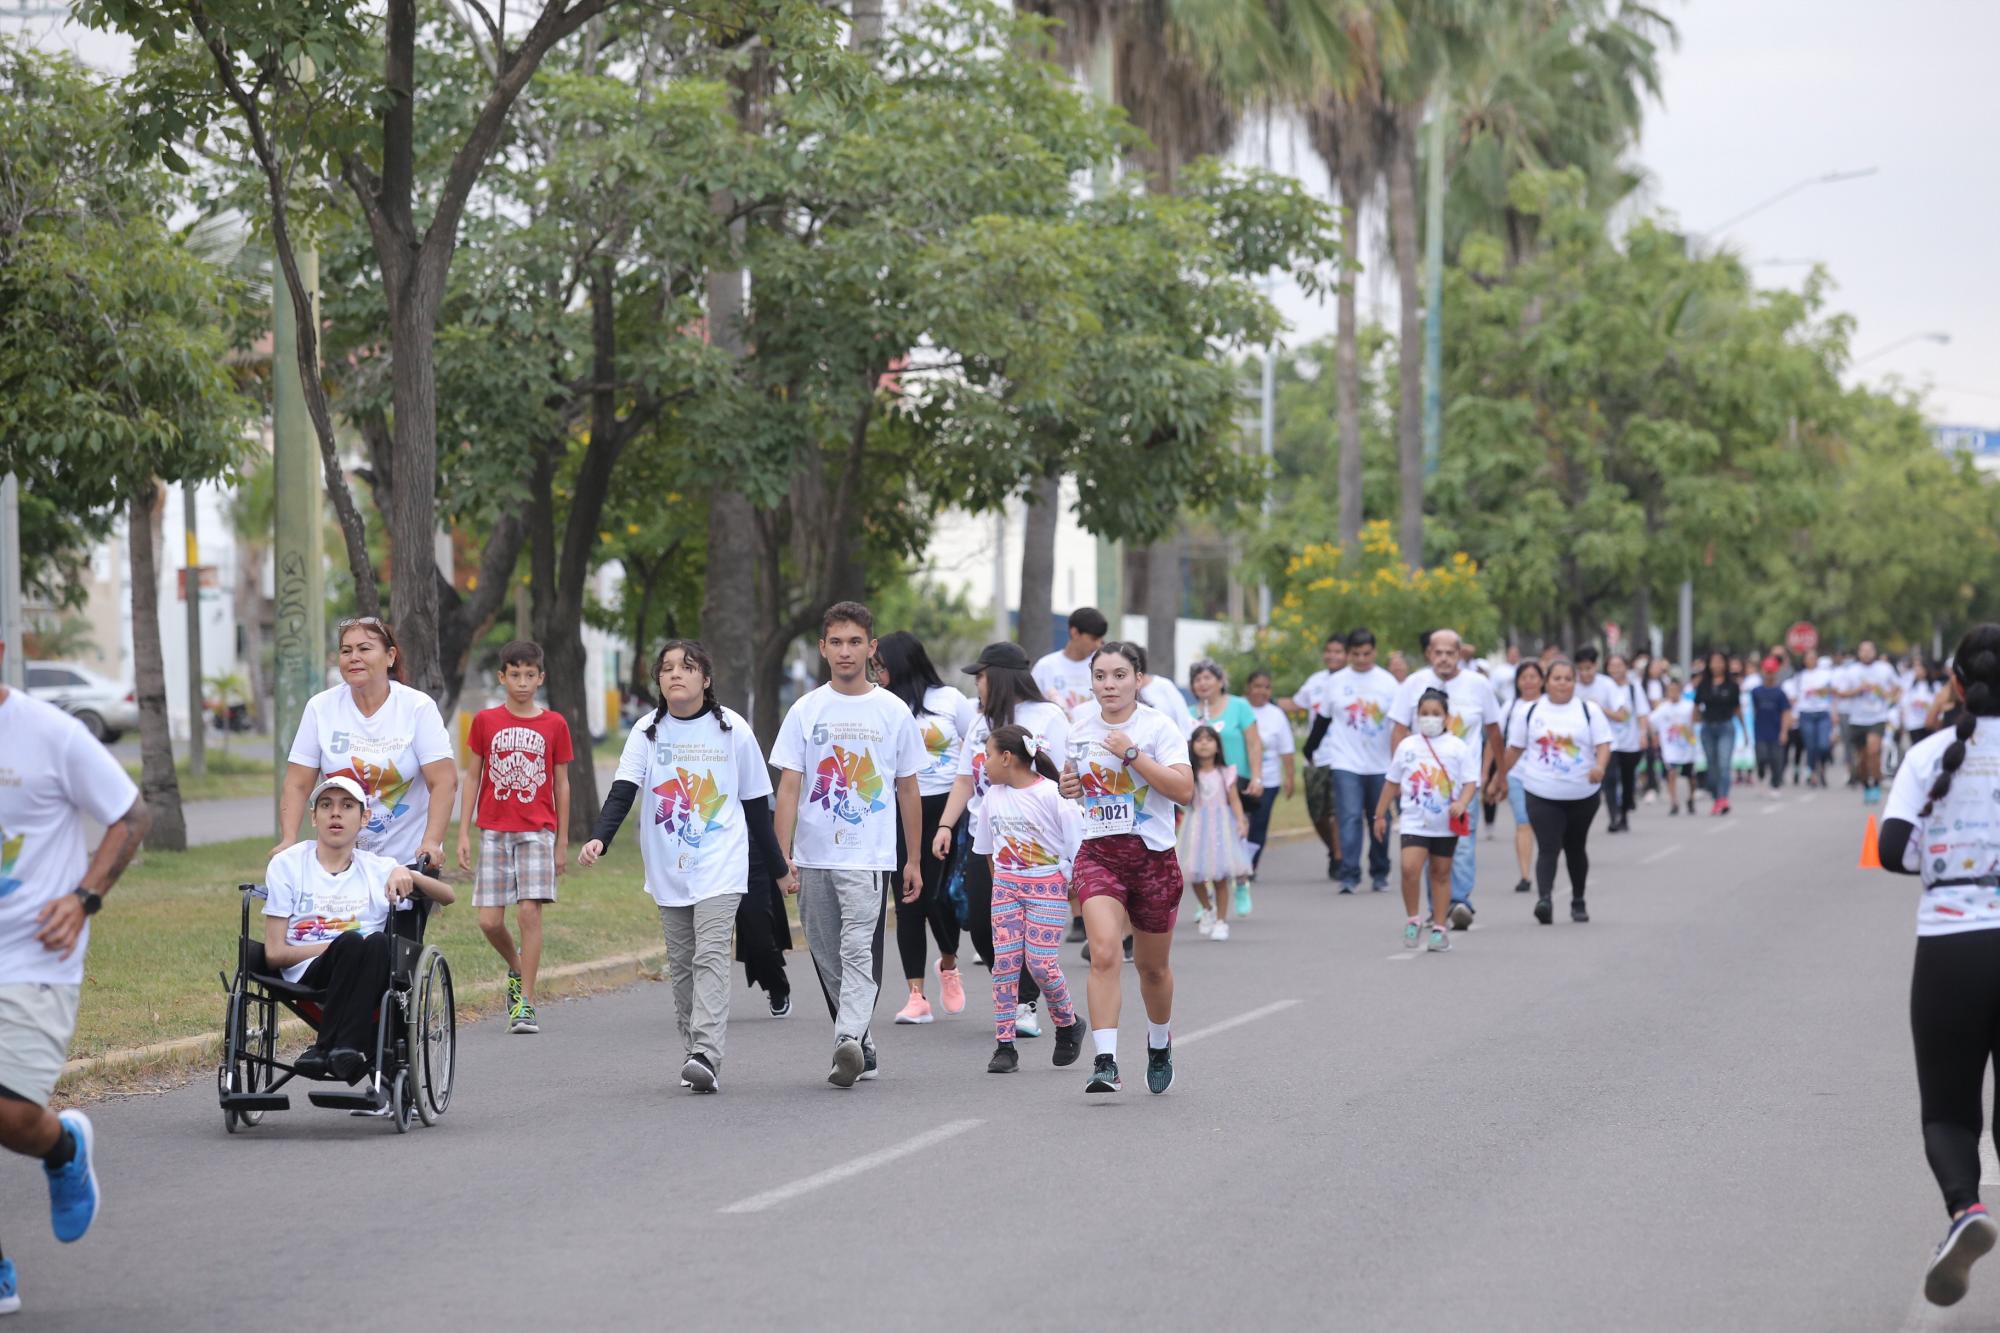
(1696, 1113)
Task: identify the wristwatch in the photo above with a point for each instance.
(91, 901)
(1131, 753)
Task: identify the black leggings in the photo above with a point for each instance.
(1624, 776)
(979, 918)
(1560, 830)
(1955, 1022)
(932, 908)
(354, 973)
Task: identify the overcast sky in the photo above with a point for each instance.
(1764, 93)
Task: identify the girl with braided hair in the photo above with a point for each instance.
(706, 797)
(1942, 823)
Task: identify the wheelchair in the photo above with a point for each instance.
(416, 1030)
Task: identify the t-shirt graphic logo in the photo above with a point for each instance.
(517, 766)
(10, 856)
(318, 929)
(1111, 786)
(337, 743)
(936, 744)
(1558, 750)
(1021, 853)
(385, 787)
(847, 786)
(689, 804)
(819, 733)
(1365, 715)
(1428, 787)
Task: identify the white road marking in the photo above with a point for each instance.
(1773, 808)
(1275, 1007)
(1660, 855)
(1723, 827)
(1809, 798)
(833, 1175)
(1401, 957)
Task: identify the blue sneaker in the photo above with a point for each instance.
(73, 1188)
(10, 1293)
(1242, 906)
(1950, 1273)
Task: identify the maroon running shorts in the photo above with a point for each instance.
(1123, 867)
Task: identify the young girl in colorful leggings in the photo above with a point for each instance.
(1034, 834)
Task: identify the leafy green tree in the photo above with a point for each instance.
(113, 375)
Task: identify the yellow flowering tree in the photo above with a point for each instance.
(1329, 588)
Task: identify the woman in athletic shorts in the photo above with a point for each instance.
(1128, 766)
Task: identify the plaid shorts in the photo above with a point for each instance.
(515, 867)
(1319, 793)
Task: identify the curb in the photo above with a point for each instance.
(618, 970)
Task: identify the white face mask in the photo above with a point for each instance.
(1430, 725)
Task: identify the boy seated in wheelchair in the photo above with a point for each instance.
(325, 926)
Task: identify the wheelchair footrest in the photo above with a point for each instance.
(256, 1101)
(348, 1101)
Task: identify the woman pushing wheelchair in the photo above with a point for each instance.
(325, 925)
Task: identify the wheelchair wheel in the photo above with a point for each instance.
(249, 1045)
(433, 1034)
(401, 1094)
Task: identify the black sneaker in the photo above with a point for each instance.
(1523, 887)
(1075, 935)
(699, 1074)
(1128, 948)
(1545, 911)
(1461, 916)
(1577, 911)
(1104, 1076)
(1086, 952)
(1005, 1059)
(781, 1005)
(1160, 1068)
(1069, 1044)
(869, 1067)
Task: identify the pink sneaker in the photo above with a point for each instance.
(918, 1010)
(951, 989)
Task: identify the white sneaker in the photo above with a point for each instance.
(1026, 1022)
(1204, 921)
(1221, 931)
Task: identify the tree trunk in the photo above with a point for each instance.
(1347, 354)
(1410, 337)
(1163, 605)
(867, 24)
(1038, 564)
(157, 783)
(413, 568)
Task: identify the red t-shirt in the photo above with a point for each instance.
(517, 789)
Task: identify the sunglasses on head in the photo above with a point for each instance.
(352, 621)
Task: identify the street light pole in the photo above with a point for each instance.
(14, 666)
(1937, 336)
(1830, 178)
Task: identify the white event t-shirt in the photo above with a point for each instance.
(849, 750)
(52, 774)
(693, 778)
(386, 753)
(1428, 782)
(1559, 747)
(1816, 690)
(1117, 799)
(1311, 696)
(1878, 688)
(1473, 707)
(1915, 707)
(1160, 695)
(1627, 736)
(1960, 839)
(1046, 722)
(1065, 683)
(1357, 704)
(1501, 674)
(947, 720)
(319, 906)
(1035, 832)
(1275, 729)
(1673, 721)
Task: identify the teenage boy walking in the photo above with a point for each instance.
(847, 757)
(52, 774)
(519, 798)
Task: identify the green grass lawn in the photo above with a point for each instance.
(229, 775)
(172, 923)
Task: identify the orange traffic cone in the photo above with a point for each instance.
(1870, 859)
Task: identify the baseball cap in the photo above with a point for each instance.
(1009, 655)
(342, 783)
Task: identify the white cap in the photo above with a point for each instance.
(340, 783)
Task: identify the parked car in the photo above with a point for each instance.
(105, 707)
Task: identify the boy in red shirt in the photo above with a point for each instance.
(519, 798)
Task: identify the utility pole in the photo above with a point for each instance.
(299, 670)
(14, 666)
(1268, 429)
(191, 593)
(1686, 635)
(1110, 554)
(1434, 287)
